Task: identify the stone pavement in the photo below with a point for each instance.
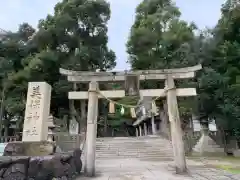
(135, 169)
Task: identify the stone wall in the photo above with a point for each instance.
(59, 166)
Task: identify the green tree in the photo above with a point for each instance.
(219, 83)
(13, 48)
(74, 37)
(160, 40)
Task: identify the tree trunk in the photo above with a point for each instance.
(222, 132)
(192, 128)
(105, 126)
(6, 129)
(66, 122)
(2, 109)
(74, 113)
(165, 128)
(83, 121)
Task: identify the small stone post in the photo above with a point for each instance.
(136, 132)
(176, 130)
(140, 130)
(153, 125)
(145, 129)
(91, 130)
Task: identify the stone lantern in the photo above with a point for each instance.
(51, 128)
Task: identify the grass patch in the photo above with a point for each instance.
(216, 157)
(228, 163)
(231, 169)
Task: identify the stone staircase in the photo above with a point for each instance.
(134, 147)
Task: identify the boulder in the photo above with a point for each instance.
(34, 167)
(42, 148)
(57, 166)
(45, 170)
(51, 167)
(14, 168)
(15, 176)
(77, 159)
(60, 165)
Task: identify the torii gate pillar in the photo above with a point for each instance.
(176, 130)
(91, 133)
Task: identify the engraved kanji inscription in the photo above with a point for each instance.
(36, 92)
(35, 103)
(29, 117)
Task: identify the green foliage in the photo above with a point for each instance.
(74, 37)
(219, 82)
(160, 40)
(158, 37)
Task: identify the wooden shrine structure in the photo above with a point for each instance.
(132, 89)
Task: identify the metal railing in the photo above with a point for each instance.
(6, 139)
(65, 141)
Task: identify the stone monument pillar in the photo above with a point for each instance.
(37, 112)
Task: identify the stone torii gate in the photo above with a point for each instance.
(168, 75)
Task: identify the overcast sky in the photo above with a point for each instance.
(204, 13)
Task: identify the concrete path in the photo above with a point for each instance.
(135, 169)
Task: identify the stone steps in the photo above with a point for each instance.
(140, 147)
(140, 150)
(133, 150)
(133, 155)
(138, 153)
(144, 144)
